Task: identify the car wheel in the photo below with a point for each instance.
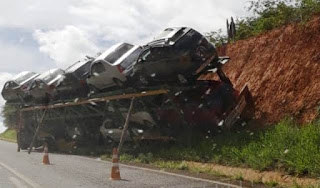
(118, 82)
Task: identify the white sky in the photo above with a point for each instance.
(39, 35)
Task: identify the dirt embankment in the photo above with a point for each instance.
(282, 70)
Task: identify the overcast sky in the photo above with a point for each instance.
(37, 35)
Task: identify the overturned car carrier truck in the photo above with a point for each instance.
(158, 113)
(149, 92)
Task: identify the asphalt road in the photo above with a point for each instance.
(21, 170)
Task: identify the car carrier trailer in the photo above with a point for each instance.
(104, 114)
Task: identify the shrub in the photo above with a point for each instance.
(267, 15)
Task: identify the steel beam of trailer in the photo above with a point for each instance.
(84, 109)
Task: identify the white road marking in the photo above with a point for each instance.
(182, 176)
(27, 180)
(164, 172)
(17, 183)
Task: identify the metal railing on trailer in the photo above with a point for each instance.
(89, 108)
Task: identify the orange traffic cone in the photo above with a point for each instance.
(45, 159)
(115, 171)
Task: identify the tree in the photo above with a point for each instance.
(217, 38)
(270, 14)
(11, 116)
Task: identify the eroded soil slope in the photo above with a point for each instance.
(282, 70)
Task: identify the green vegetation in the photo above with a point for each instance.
(9, 135)
(272, 184)
(267, 15)
(285, 147)
(10, 114)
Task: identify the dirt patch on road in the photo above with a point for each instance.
(282, 70)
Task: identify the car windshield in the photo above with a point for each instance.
(50, 75)
(156, 54)
(167, 33)
(84, 69)
(76, 66)
(131, 58)
(172, 34)
(79, 68)
(23, 76)
(118, 52)
(10, 85)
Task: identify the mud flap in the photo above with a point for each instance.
(243, 109)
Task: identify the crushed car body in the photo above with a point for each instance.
(43, 88)
(202, 106)
(174, 56)
(14, 90)
(74, 82)
(91, 99)
(112, 67)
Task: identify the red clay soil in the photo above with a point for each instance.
(282, 70)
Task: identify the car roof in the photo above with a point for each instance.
(50, 75)
(47, 73)
(164, 37)
(30, 78)
(58, 77)
(22, 74)
(171, 32)
(108, 51)
(124, 56)
(77, 65)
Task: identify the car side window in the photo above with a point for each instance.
(98, 68)
(41, 85)
(152, 56)
(7, 85)
(34, 84)
(156, 54)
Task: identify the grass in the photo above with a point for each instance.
(285, 147)
(9, 135)
(271, 184)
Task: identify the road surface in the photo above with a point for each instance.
(21, 170)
